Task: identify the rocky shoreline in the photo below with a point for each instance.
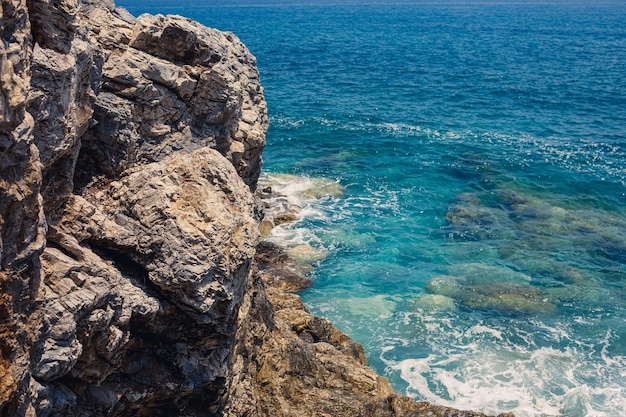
(291, 363)
(132, 280)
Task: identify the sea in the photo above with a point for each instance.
(461, 172)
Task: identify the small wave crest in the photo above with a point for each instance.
(483, 369)
(311, 201)
(324, 215)
(601, 159)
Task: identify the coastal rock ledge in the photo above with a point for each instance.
(130, 149)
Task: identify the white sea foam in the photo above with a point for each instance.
(478, 328)
(286, 121)
(301, 189)
(289, 236)
(481, 370)
(311, 196)
(480, 381)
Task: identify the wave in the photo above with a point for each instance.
(601, 159)
(310, 196)
(481, 368)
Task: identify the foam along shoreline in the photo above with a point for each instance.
(288, 201)
(284, 272)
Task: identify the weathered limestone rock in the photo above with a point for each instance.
(61, 98)
(53, 23)
(121, 297)
(22, 225)
(20, 171)
(193, 230)
(184, 87)
(139, 303)
(15, 58)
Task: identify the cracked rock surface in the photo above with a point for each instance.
(127, 161)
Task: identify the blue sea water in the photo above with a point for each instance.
(468, 162)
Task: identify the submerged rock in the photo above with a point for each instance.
(377, 306)
(477, 273)
(469, 218)
(435, 302)
(306, 253)
(486, 287)
(507, 297)
(531, 232)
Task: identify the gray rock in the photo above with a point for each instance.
(22, 221)
(53, 23)
(185, 86)
(112, 290)
(168, 278)
(61, 98)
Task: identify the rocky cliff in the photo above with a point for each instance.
(129, 152)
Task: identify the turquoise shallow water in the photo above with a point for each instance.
(473, 210)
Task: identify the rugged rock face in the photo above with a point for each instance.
(127, 160)
(129, 150)
(22, 219)
(143, 301)
(184, 87)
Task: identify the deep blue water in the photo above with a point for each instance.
(468, 165)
